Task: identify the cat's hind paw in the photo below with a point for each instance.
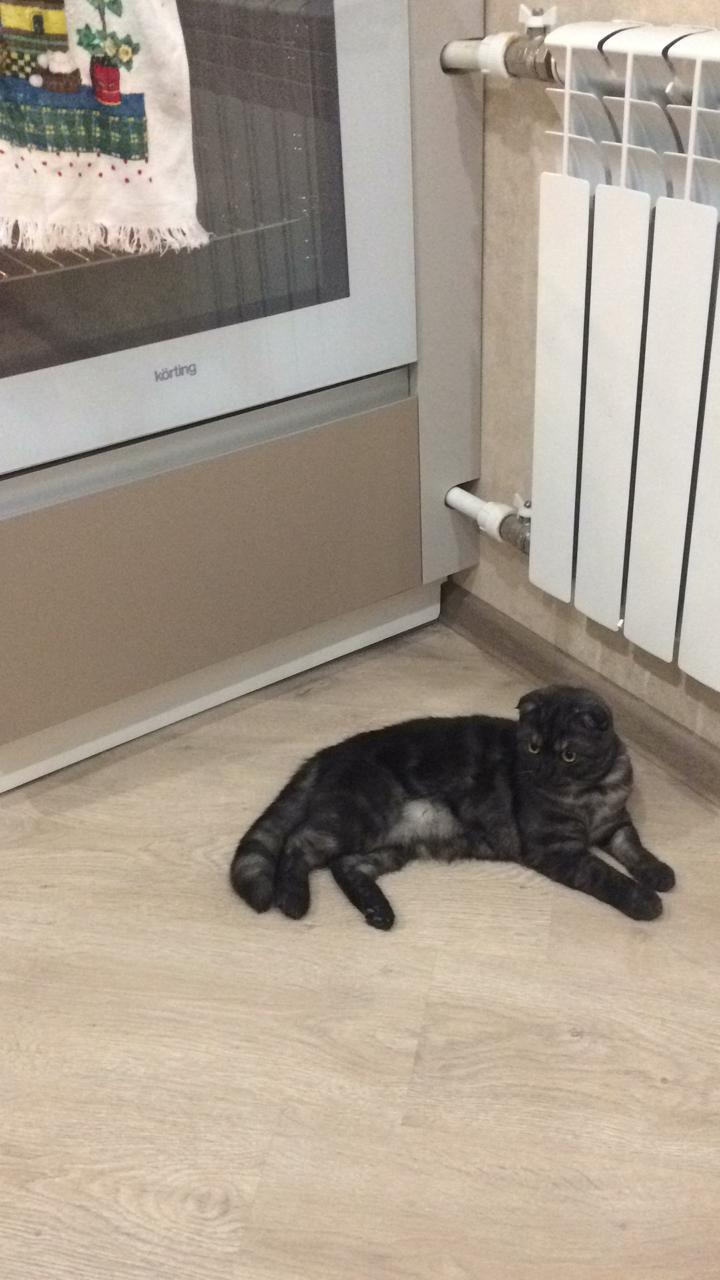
(293, 899)
(659, 876)
(642, 905)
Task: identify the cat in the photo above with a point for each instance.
(542, 791)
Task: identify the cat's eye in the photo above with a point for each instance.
(569, 756)
(534, 748)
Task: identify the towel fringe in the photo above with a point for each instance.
(44, 237)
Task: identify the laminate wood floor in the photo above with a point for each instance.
(516, 1083)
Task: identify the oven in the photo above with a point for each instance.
(225, 465)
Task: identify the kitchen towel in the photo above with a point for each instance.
(95, 127)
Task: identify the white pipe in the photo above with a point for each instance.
(488, 516)
(487, 55)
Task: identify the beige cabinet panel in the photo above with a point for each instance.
(120, 591)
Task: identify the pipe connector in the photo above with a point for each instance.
(497, 520)
(504, 56)
(515, 530)
(528, 58)
(518, 55)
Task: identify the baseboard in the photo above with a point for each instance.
(682, 753)
(41, 753)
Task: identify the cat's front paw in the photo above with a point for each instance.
(659, 876)
(380, 916)
(642, 905)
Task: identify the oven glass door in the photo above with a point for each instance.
(301, 133)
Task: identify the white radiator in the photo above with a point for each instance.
(627, 404)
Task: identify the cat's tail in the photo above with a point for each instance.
(252, 872)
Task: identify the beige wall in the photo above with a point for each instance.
(447, 167)
(515, 120)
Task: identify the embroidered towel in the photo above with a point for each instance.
(95, 127)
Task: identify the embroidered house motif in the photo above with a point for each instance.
(29, 28)
(44, 104)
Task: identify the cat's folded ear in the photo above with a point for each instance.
(527, 704)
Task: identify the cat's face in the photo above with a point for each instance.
(564, 735)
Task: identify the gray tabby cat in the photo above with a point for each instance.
(543, 791)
